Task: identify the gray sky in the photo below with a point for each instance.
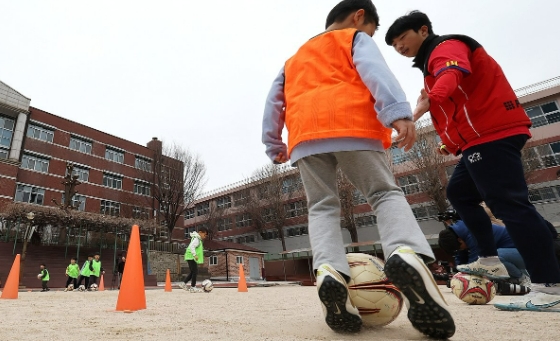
(198, 72)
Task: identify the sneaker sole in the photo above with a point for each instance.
(334, 295)
(485, 275)
(425, 314)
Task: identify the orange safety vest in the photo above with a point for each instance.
(325, 97)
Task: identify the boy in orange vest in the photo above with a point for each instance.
(340, 102)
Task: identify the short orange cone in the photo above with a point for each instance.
(168, 281)
(101, 284)
(242, 284)
(132, 295)
(11, 289)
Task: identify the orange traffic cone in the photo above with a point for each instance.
(168, 281)
(242, 284)
(11, 289)
(101, 284)
(132, 295)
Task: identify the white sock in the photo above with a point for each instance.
(492, 260)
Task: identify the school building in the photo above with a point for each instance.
(542, 104)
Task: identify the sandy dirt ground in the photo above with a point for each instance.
(263, 313)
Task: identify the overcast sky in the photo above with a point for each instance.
(198, 72)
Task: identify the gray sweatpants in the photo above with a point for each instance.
(369, 173)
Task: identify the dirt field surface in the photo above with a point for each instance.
(273, 313)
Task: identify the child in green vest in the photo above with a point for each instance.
(85, 272)
(194, 255)
(72, 272)
(96, 271)
(44, 276)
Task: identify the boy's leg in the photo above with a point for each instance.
(86, 280)
(194, 273)
(68, 281)
(369, 173)
(497, 170)
(402, 240)
(513, 262)
(44, 285)
(318, 174)
(75, 280)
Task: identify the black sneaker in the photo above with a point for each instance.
(426, 306)
(340, 314)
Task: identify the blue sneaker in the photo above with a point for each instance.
(534, 301)
(340, 314)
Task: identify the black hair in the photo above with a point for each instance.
(413, 20)
(44, 265)
(73, 258)
(344, 8)
(90, 255)
(448, 241)
(97, 254)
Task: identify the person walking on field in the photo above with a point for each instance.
(194, 255)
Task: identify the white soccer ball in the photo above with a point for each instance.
(207, 285)
(82, 287)
(93, 287)
(70, 287)
(377, 299)
(39, 276)
(472, 289)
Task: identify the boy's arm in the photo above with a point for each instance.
(390, 99)
(193, 246)
(273, 121)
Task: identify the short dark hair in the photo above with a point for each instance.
(44, 265)
(73, 258)
(448, 241)
(344, 8)
(413, 20)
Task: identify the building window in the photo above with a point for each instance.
(544, 194)
(238, 259)
(189, 214)
(242, 220)
(267, 214)
(140, 213)
(143, 164)
(423, 212)
(80, 145)
(409, 184)
(223, 202)
(114, 155)
(368, 220)
(110, 208)
(82, 173)
(30, 194)
(213, 260)
(269, 235)
(40, 133)
(543, 156)
(203, 208)
(292, 184)
(397, 155)
(141, 187)
(297, 231)
(544, 114)
(6, 132)
(359, 198)
(78, 201)
(36, 163)
(224, 224)
(296, 209)
(241, 197)
(113, 181)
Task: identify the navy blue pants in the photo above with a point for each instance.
(493, 172)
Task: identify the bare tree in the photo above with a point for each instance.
(214, 218)
(346, 193)
(178, 178)
(427, 165)
(272, 188)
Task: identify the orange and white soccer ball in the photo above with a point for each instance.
(377, 299)
(473, 289)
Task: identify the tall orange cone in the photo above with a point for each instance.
(132, 295)
(101, 284)
(168, 281)
(11, 289)
(242, 284)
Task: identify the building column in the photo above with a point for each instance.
(17, 138)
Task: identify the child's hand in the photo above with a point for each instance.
(422, 105)
(195, 257)
(280, 158)
(406, 133)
